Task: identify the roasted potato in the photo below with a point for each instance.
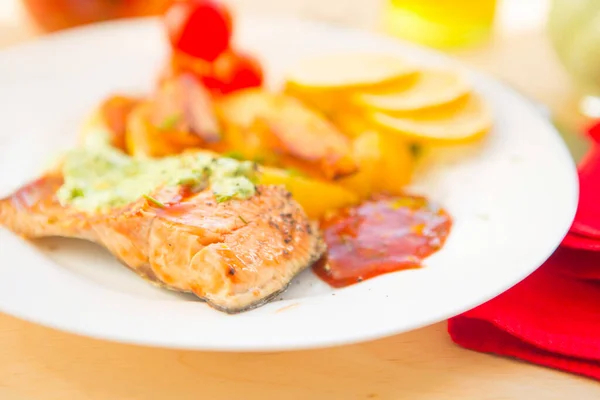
(144, 139)
(386, 164)
(182, 104)
(286, 132)
(114, 112)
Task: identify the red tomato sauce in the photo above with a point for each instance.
(382, 235)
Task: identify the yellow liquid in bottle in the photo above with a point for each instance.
(440, 23)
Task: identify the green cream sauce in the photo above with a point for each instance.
(99, 177)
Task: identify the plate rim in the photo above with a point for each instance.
(74, 33)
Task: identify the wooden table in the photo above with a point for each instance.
(43, 364)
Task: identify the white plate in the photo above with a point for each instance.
(512, 198)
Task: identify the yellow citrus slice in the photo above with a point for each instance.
(331, 196)
(462, 121)
(429, 88)
(346, 71)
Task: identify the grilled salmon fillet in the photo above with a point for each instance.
(235, 255)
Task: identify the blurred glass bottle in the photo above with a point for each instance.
(53, 15)
(440, 23)
(574, 30)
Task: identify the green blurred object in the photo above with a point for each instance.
(577, 142)
(574, 30)
(440, 23)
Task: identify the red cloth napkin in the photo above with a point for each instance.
(552, 318)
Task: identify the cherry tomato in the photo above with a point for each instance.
(199, 28)
(182, 63)
(230, 72)
(235, 71)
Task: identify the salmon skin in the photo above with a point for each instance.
(236, 255)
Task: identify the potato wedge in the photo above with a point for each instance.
(368, 154)
(182, 104)
(396, 166)
(144, 139)
(282, 128)
(386, 164)
(317, 197)
(114, 112)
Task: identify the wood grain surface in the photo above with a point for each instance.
(38, 363)
(42, 364)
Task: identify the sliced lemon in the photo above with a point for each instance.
(459, 122)
(429, 88)
(345, 71)
(315, 196)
